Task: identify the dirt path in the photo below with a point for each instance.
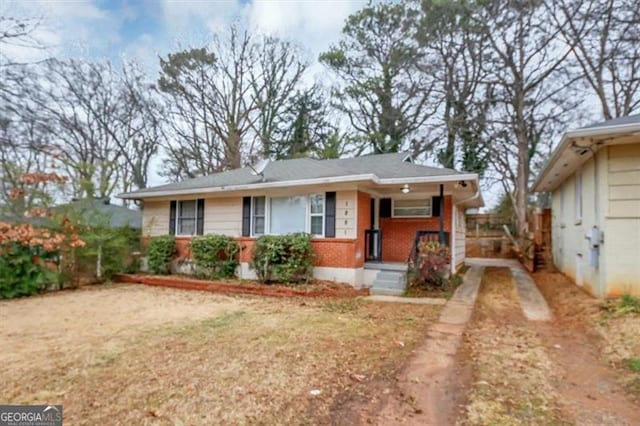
(532, 372)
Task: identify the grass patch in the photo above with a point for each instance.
(633, 364)
(629, 304)
(626, 305)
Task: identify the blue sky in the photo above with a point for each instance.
(144, 29)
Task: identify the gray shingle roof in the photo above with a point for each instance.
(99, 212)
(381, 165)
(620, 121)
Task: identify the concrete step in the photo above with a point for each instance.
(389, 275)
(389, 284)
(386, 291)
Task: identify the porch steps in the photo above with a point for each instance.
(389, 282)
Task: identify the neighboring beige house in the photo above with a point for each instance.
(594, 179)
(365, 214)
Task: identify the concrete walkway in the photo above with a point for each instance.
(400, 299)
(533, 304)
(427, 381)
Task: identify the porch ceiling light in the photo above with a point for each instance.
(405, 188)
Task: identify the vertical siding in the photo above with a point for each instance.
(155, 218)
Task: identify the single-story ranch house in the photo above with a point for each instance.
(594, 179)
(364, 213)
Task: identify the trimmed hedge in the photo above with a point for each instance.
(160, 253)
(283, 258)
(214, 256)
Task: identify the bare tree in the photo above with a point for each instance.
(274, 81)
(225, 98)
(135, 125)
(525, 65)
(605, 40)
(16, 160)
(77, 101)
(18, 32)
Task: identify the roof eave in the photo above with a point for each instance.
(565, 143)
(368, 177)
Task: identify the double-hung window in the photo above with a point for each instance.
(186, 217)
(316, 214)
(258, 217)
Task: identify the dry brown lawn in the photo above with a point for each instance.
(513, 373)
(569, 370)
(131, 354)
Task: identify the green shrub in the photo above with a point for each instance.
(215, 256)
(113, 245)
(430, 264)
(283, 258)
(160, 253)
(23, 270)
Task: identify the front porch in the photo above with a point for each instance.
(399, 221)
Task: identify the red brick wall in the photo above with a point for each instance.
(182, 247)
(398, 234)
(333, 252)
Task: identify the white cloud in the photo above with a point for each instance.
(66, 28)
(313, 24)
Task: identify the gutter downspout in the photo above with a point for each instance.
(441, 214)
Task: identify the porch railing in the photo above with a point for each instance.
(373, 245)
(425, 236)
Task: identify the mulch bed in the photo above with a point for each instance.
(322, 290)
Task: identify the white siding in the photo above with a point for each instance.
(624, 181)
(571, 251)
(622, 253)
(223, 216)
(460, 235)
(611, 202)
(622, 227)
(155, 218)
(346, 214)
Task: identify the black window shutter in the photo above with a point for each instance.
(385, 207)
(435, 206)
(200, 217)
(172, 217)
(246, 216)
(330, 215)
